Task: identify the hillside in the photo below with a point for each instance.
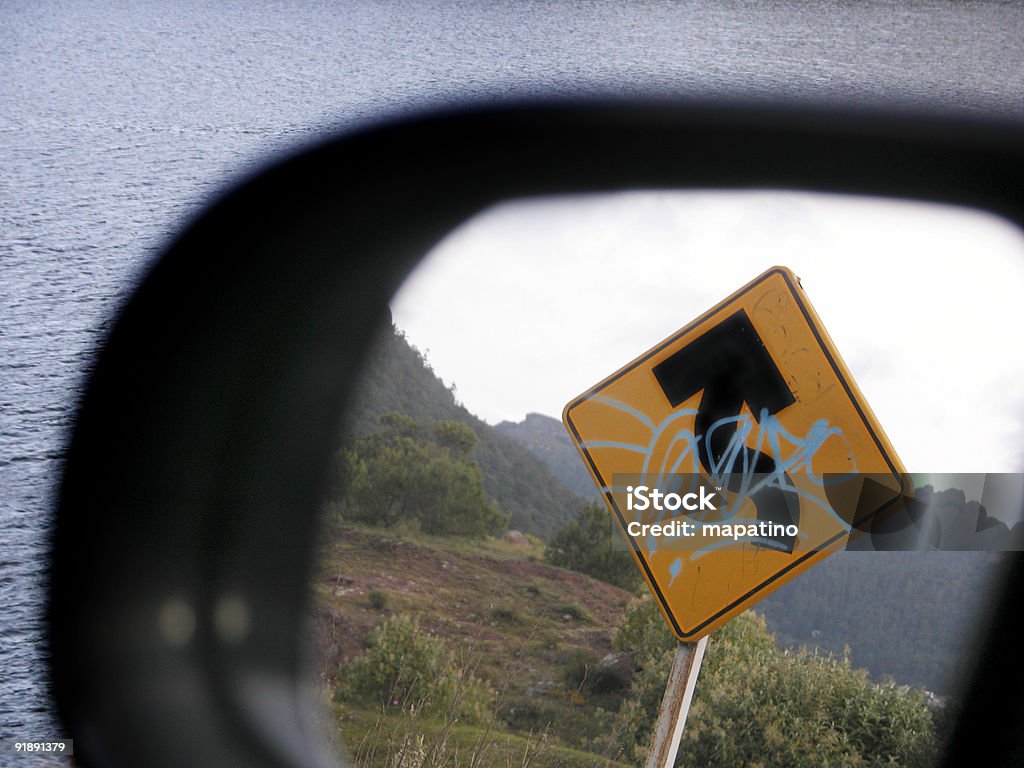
(437, 651)
(527, 629)
(399, 379)
(547, 439)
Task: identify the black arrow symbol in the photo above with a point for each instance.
(732, 366)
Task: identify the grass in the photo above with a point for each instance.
(522, 621)
(379, 737)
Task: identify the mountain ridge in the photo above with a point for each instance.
(398, 378)
(546, 438)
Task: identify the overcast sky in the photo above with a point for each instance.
(532, 302)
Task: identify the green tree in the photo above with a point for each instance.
(455, 437)
(406, 471)
(588, 545)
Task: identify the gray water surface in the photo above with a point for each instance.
(119, 120)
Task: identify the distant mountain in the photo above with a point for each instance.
(547, 439)
(398, 378)
(912, 616)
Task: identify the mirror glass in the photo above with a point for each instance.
(474, 605)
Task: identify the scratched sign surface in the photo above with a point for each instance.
(751, 399)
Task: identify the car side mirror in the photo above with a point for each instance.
(187, 511)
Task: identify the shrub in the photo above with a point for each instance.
(378, 599)
(407, 667)
(587, 545)
(408, 473)
(758, 705)
(579, 668)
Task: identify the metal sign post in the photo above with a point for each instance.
(676, 704)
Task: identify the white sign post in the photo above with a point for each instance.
(676, 704)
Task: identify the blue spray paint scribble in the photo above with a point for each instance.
(734, 469)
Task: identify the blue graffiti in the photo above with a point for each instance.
(734, 469)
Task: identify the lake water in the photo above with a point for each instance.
(118, 120)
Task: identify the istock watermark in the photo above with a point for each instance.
(801, 512)
(641, 498)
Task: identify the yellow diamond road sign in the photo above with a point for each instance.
(720, 451)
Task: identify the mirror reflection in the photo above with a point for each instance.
(474, 604)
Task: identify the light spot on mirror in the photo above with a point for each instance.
(177, 622)
(231, 619)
